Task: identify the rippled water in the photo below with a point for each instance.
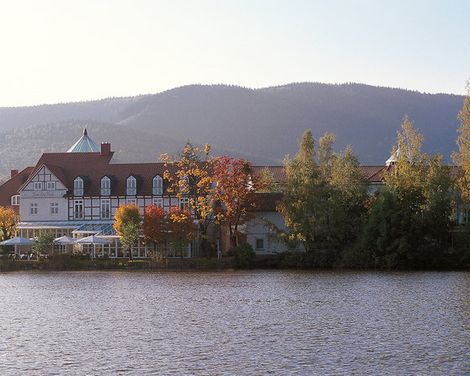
(234, 323)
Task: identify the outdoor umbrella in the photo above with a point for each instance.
(16, 241)
(93, 239)
(64, 241)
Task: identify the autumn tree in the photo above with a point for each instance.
(8, 222)
(181, 229)
(190, 178)
(127, 225)
(235, 185)
(462, 157)
(155, 226)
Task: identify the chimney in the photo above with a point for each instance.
(13, 173)
(105, 149)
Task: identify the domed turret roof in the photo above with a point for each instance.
(84, 145)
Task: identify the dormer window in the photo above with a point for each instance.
(105, 186)
(157, 186)
(78, 186)
(131, 186)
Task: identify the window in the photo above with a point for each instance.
(33, 208)
(50, 185)
(131, 201)
(37, 186)
(157, 185)
(259, 243)
(158, 202)
(184, 203)
(54, 208)
(15, 200)
(105, 209)
(105, 186)
(78, 209)
(78, 186)
(131, 186)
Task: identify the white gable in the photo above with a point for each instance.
(43, 184)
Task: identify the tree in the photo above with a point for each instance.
(155, 226)
(235, 185)
(44, 243)
(190, 178)
(462, 157)
(323, 201)
(130, 236)
(127, 224)
(409, 223)
(8, 222)
(181, 229)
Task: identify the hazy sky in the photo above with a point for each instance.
(61, 50)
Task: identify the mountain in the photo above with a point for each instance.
(260, 124)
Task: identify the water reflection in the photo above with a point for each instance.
(234, 323)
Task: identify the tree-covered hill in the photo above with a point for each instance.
(261, 124)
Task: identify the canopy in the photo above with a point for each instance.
(17, 241)
(93, 239)
(64, 240)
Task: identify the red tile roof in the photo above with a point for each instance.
(11, 186)
(93, 166)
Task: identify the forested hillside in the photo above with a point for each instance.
(262, 124)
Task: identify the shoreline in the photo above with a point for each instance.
(79, 263)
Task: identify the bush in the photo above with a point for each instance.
(244, 256)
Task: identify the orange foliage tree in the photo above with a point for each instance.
(235, 185)
(190, 177)
(8, 221)
(181, 228)
(155, 226)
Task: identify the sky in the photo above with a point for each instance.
(66, 50)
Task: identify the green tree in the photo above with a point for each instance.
(126, 223)
(323, 199)
(409, 223)
(43, 244)
(462, 156)
(130, 236)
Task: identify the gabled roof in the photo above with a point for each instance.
(11, 186)
(93, 166)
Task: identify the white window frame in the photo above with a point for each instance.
(76, 204)
(105, 208)
(157, 185)
(132, 201)
(15, 200)
(38, 186)
(131, 186)
(256, 244)
(78, 186)
(184, 203)
(33, 208)
(51, 185)
(105, 186)
(158, 202)
(54, 208)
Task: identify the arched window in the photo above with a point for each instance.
(105, 186)
(131, 186)
(78, 186)
(157, 186)
(15, 200)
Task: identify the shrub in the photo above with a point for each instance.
(244, 256)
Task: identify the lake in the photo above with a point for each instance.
(235, 323)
